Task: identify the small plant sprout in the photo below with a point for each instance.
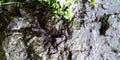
(93, 2)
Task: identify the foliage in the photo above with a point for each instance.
(61, 7)
(93, 2)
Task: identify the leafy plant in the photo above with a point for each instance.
(60, 7)
(93, 2)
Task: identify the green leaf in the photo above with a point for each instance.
(93, 2)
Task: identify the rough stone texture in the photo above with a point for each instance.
(92, 35)
(96, 37)
(14, 48)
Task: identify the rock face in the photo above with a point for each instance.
(97, 37)
(94, 34)
(14, 47)
(97, 41)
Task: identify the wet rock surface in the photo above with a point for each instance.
(93, 34)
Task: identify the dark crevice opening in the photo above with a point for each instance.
(70, 55)
(104, 24)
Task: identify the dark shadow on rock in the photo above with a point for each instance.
(104, 24)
